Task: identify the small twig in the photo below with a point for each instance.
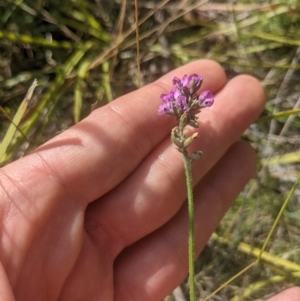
(137, 43)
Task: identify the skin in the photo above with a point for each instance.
(99, 212)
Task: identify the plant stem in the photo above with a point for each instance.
(189, 184)
(191, 239)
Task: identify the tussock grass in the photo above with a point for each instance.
(82, 51)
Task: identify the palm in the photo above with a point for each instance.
(96, 213)
(68, 269)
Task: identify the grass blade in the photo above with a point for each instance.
(16, 121)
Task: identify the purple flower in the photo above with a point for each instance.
(188, 84)
(165, 108)
(183, 98)
(180, 83)
(185, 81)
(177, 81)
(206, 99)
(181, 103)
(194, 83)
(179, 100)
(174, 102)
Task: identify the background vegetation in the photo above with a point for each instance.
(84, 51)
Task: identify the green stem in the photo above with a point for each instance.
(191, 240)
(189, 183)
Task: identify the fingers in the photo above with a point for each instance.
(291, 294)
(151, 268)
(151, 195)
(92, 157)
(5, 287)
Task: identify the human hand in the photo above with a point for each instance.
(291, 294)
(98, 212)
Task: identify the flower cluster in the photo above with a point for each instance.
(183, 99)
(184, 103)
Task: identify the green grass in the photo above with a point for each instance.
(80, 51)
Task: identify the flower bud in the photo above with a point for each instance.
(189, 140)
(206, 99)
(194, 83)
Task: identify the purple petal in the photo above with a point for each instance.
(185, 80)
(161, 109)
(166, 108)
(177, 81)
(206, 99)
(194, 82)
(176, 92)
(164, 97)
(181, 103)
